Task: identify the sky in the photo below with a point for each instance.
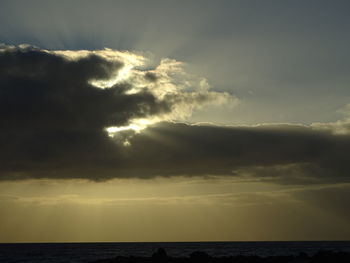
(174, 121)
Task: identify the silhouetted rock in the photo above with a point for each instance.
(160, 255)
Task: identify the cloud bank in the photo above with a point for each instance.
(77, 114)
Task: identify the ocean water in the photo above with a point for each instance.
(86, 252)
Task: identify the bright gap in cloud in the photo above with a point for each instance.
(135, 125)
(168, 82)
(119, 76)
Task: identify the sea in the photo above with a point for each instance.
(87, 252)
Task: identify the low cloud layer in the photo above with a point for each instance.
(56, 108)
(281, 153)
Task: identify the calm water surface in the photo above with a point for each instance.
(85, 252)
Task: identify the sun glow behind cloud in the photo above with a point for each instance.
(169, 78)
(129, 60)
(136, 125)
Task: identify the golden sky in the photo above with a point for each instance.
(178, 209)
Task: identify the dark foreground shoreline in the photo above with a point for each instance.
(201, 257)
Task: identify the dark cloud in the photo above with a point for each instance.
(151, 77)
(286, 153)
(283, 155)
(53, 125)
(40, 90)
(50, 113)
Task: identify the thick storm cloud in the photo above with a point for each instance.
(56, 106)
(282, 153)
(44, 91)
